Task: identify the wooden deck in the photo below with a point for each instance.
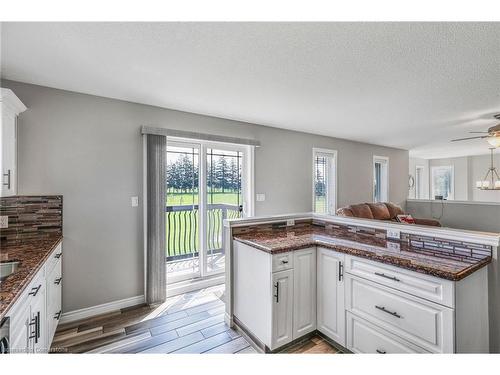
(188, 323)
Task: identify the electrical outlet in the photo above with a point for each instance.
(290, 222)
(260, 197)
(134, 201)
(394, 246)
(394, 234)
(4, 222)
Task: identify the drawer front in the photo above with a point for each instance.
(365, 337)
(54, 258)
(418, 321)
(429, 287)
(283, 261)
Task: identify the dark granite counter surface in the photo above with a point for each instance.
(436, 262)
(31, 253)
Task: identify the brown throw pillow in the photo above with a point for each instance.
(394, 210)
(362, 211)
(344, 211)
(379, 211)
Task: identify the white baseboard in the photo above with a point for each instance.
(87, 312)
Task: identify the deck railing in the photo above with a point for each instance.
(183, 228)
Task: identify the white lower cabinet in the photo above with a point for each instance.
(32, 323)
(365, 337)
(371, 308)
(283, 303)
(330, 294)
(304, 292)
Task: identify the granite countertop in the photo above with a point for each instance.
(31, 254)
(433, 262)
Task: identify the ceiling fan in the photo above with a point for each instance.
(492, 134)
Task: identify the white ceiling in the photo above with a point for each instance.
(407, 85)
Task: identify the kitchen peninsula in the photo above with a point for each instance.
(367, 286)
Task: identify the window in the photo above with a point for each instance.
(324, 181)
(419, 182)
(380, 179)
(442, 182)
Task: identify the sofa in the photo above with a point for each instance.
(381, 211)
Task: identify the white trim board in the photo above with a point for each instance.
(88, 312)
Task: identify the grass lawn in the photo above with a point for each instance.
(180, 199)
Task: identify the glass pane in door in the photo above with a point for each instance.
(182, 212)
(224, 200)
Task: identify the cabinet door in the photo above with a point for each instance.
(54, 289)
(38, 316)
(304, 292)
(20, 331)
(8, 156)
(282, 308)
(330, 284)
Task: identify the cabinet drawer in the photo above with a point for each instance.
(418, 321)
(431, 288)
(54, 258)
(283, 261)
(365, 337)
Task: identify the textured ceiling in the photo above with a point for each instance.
(407, 85)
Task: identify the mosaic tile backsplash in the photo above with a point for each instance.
(31, 216)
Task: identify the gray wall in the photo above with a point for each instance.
(89, 149)
(414, 162)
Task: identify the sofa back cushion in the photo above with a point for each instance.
(394, 210)
(361, 210)
(379, 211)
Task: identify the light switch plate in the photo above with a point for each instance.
(260, 197)
(4, 222)
(134, 201)
(290, 222)
(394, 246)
(394, 234)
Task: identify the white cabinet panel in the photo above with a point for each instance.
(365, 337)
(330, 294)
(424, 323)
(282, 308)
(425, 286)
(304, 292)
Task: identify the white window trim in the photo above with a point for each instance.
(431, 182)
(334, 154)
(422, 168)
(383, 159)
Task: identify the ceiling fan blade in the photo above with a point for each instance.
(479, 132)
(465, 139)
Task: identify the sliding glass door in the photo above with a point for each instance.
(206, 184)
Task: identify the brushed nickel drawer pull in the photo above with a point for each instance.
(58, 281)
(8, 175)
(284, 261)
(387, 277)
(58, 255)
(381, 351)
(382, 308)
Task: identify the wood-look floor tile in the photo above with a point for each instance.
(158, 329)
(204, 323)
(205, 344)
(147, 343)
(157, 321)
(129, 339)
(176, 344)
(248, 350)
(205, 307)
(232, 346)
(219, 328)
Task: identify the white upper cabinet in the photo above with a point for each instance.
(11, 107)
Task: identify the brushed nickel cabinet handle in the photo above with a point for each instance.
(381, 351)
(8, 175)
(387, 277)
(393, 313)
(58, 281)
(277, 295)
(34, 291)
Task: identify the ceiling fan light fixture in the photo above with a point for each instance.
(491, 180)
(494, 141)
